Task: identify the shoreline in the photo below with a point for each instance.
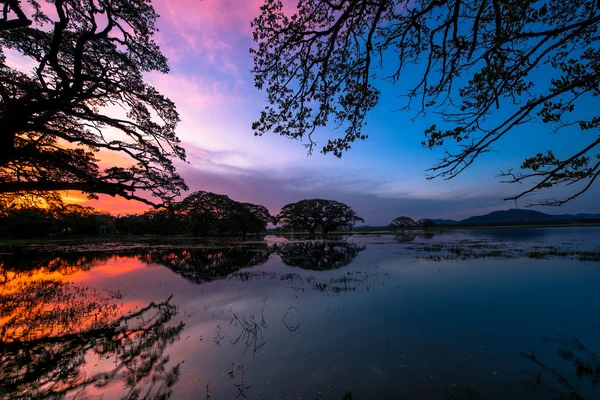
(232, 239)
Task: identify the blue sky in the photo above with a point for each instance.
(383, 177)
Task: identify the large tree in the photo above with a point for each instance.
(211, 213)
(532, 59)
(85, 98)
(313, 214)
(250, 218)
(404, 222)
(206, 213)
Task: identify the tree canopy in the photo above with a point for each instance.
(85, 98)
(313, 214)
(207, 213)
(404, 222)
(533, 59)
(426, 223)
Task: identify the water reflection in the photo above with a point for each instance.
(378, 327)
(203, 265)
(22, 260)
(318, 255)
(50, 331)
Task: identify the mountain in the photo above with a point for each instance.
(445, 221)
(518, 216)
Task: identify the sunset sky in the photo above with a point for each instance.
(207, 45)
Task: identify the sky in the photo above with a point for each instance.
(207, 43)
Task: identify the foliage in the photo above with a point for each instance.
(313, 214)
(18, 21)
(404, 222)
(251, 218)
(58, 119)
(209, 213)
(57, 219)
(426, 223)
(199, 214)
(533, 59)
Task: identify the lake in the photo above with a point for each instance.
(457, 314)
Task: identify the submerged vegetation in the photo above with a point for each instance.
(478, 250)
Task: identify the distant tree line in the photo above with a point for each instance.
(199, 214)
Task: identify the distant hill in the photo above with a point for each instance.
(445, 221)
(517, 216)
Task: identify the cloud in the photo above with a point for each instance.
(275, 190)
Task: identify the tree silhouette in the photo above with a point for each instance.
(313, 214)
(531, 59)
(404, 222)
(8, 21)
(250, 218)
(54, 119)
(55, 219)
(210, 213)
(426, 223)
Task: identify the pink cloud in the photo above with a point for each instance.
(210, 16)
(210, 30)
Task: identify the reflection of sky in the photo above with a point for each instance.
(411, 327)
(207, 45)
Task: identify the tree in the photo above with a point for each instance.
(19, 20)
(207, 213)
(532, 59)
(210, 213)
(25, 220)
(328, 215)
(404, 222)
(79, 220)
(86, 98)
(250, 218)
(426, 223)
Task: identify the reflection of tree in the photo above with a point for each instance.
(48, 366)
(406, 237)
(318, 255)
(409, 236)
(202, 265)
(585, 361)
(50, 330)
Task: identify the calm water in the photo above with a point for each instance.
(490, 314)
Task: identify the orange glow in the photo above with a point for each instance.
(106, 203)
(51, 299)
(119, 265)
